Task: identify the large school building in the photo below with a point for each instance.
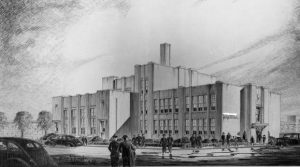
(161, 99)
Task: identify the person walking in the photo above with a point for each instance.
(127, 150)
(114, 152)
(264, 139)
(170, 144)
(223, 140)
(164, 144)
(244, 136)
(228, 139)
(199, 141)
(193, 142)
(252, 140)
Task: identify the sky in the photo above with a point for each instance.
(64, 47)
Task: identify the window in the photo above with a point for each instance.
(205, 99)
(146, 126)
(161, 126)
(82, 130)
(166, 105)
(195, 103)
(73, 130)
(176, 104)
(73, 117)
(161, 101)
(258, 115)
(170, 125)
(213, 102)
(194, 126)
(187, 103)
(65, 114)
(146, 85)
(200, 107)
(146, 106)
(11, 147)
(200, 125)
(141, 124)
(155, 122)
(82, 117)
(176, 126)
(258, 97)
(93, 130)
(170, 105)
(187, 126)
(205, 125)
(212, 125)
(156, 106)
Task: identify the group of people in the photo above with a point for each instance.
(196, 141)
(138, 141)
(126, 148)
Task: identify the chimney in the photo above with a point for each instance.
(165, 54)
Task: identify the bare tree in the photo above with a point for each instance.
(3, 120)
(23, 120)
(45, 121)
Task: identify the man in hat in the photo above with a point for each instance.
(170, 144)
(114, 152)
(193, 142)
(128, 152)
(164, 143)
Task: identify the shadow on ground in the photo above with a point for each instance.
(285, 156)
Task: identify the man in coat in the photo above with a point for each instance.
(199, 141)
(114, 152)
(228, 139)
(128, 152)
(164, 144)
(170, 144)
(193, 142)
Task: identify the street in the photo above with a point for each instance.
(99, 155)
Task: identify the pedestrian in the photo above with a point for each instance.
(259, 138)
(139, 139)
(85, 139)
(199, 141)
(264, 139)
(252, 140)
(170, 144)
(235, 139)
(223, 140)
(134, 140)
(193, 142)
(244, 136)
(143, 140)
(163, 143)
(127, 150)
(228, 139)
(114, 152)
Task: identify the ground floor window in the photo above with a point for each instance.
(82, 130)
(93, 130)
(73, 130)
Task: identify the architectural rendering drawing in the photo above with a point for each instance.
(149, 83)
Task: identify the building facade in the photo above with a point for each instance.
(160, 99)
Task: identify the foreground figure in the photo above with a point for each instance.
(128, 152)
(114, 152)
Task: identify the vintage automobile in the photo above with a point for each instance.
(66, 140)
(20, 152)
(288, 139)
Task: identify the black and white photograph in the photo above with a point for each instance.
(87, 83)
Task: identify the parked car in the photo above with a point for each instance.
(20, 152)
(49, 136)
(288, 139)
(66, 140)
